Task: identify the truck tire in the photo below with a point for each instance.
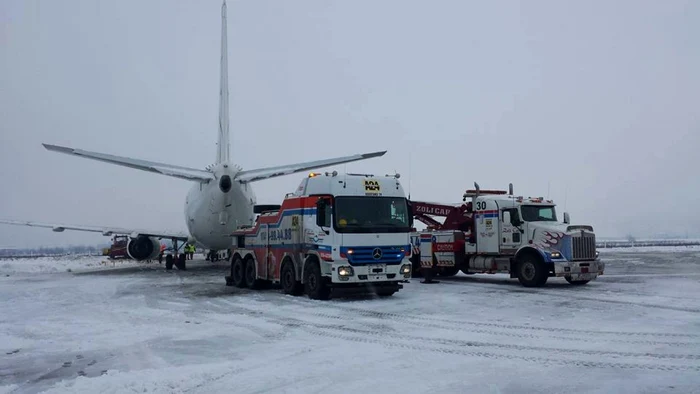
(576, 282)
(531, 271)
(449, 271)
(238, 272)
(251, 280)
(386, 291)
(416, 267)
(314, 283)
(288, 280)
(169, 262)
(466, 272)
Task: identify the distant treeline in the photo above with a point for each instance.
(635, 244)
(52, 251)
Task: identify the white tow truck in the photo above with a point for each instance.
(348, 231)
(497, 232)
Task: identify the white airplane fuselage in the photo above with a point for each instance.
(213, 211)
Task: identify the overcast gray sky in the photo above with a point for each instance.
(598, 99)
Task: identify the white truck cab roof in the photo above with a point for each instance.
(350, 185)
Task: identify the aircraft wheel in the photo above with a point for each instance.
(181, 262)
(169, 262)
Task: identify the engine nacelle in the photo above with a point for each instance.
(143, 248)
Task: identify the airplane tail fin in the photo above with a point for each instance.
(223, 144)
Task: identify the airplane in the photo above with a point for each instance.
(220, 200)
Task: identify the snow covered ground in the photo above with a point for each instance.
(138, 328)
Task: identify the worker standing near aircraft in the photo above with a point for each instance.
(162, 252)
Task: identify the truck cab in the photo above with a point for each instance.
(334, 231)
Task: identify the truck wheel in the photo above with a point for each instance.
(449, 271)
(288, 280)
(169, 262)
(576, 282)
(238, 272)
(416, 267)
(531, 271)
(386, 291)
(251, 279)
(466, 272)
(314, 283)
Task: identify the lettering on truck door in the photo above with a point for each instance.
(266, 262)
(510, 235)
(297, 235)
(487, 229)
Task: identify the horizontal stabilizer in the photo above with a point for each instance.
(108, 231)
(271, 172)
(191, 174)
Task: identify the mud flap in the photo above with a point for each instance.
(511, 270)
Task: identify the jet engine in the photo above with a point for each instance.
(143, 248)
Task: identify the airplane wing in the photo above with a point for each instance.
(108, 231)
(191, 174)
(246, 176)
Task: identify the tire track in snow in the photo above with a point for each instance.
(490, 355)
(247, 368)
(570, 295)
(293, 322)
(465, 343)
(431, 319)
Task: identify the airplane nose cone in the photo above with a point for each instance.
(225, 183)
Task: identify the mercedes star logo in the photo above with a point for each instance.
(377, 253)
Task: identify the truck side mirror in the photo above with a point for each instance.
(567, 219)
(410, 213)
(321, 212)
(515, 219)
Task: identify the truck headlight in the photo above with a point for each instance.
(345, 271)
(405, 269)
(556, 255)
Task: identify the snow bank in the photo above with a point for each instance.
(59, 264)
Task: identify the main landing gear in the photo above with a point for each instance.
(179, 262)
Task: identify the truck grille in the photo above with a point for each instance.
(583, 247)
(364, 254)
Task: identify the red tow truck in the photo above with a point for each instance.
(458, 217)
(118, 248)
(499, 232)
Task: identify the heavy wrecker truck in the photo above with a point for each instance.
(335, 232)
(497, 232)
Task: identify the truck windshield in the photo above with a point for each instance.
(364, 214)
(537, 213)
